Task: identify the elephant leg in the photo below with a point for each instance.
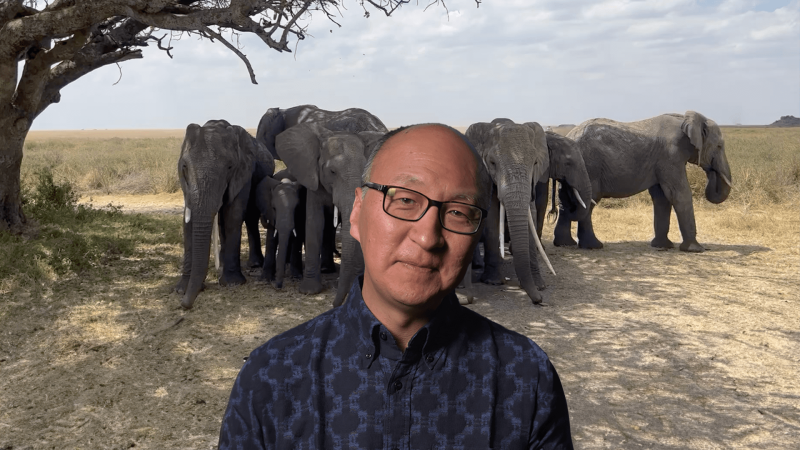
(684, 209)
(477, 258)
(586, 237)
(251, 218)
(562, 233)
(270, 248)
(662, 208)
(296, 256)
(491, 244)
(186, 270)
(231, 216)
(312, 281)
(540, 203)
(328, 243)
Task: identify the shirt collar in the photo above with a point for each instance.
(429, 342)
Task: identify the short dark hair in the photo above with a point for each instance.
(484, 181)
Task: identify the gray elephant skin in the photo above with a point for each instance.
(276, 121)
(624, 159)
(219, 165)
(278, 200)
(329, 164)
(575, 187)
(517, 158)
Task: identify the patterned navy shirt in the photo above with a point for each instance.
(340, 381)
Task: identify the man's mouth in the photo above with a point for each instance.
(422, 267)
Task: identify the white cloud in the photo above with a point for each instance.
(545, 60)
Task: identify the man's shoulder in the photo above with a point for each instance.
(303, 338)
(510, 344)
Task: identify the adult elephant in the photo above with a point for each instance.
(575, 187)
(624, 159)
(352, 120)
(329, 164)
(218, 167)
(517, 158)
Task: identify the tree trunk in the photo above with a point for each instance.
(13, 131)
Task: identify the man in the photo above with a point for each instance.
(402, 365)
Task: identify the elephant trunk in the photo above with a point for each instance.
(352, 263)
(283, 255)
(719, 179)
(575, 198)
(518, 227)
(201, 242)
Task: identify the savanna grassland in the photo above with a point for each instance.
(656, 349)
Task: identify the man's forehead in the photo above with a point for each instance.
(417, 135)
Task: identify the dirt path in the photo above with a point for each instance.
(656, 349)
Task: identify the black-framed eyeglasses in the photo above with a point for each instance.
(406, 204)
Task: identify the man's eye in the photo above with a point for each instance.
(406, 201)
(457, 214)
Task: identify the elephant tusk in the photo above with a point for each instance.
(294, 233)
(215, 242)
(578, 196)
(532, 226)
(335, 217)
(187, 214)
(502, 231)
(274, 232)
(726, 180)
(594, 202)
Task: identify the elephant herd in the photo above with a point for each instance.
(228, 178)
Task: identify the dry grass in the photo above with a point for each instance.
(107, 161)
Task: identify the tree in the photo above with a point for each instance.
(61, 40)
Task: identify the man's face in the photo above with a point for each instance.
(411, 265)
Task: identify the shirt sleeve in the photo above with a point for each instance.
(244, 426)
(550, 427)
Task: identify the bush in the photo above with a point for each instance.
(47, 194)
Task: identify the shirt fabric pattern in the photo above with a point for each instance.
(339, 381)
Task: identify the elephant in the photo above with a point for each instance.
(517, 158)
(329, 165)
(219, 165)
(278, 200)
(568, 168)
(625, 158)
(352, 120)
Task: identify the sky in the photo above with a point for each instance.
(549, 61)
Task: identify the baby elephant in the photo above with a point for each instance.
(277, 201)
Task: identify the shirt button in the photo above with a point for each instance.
(383, 335)
(398, 385)
(429, 358)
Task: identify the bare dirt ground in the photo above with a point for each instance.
(655, 349)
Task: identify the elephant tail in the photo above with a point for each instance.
(552, 215)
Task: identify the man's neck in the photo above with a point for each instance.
(401, 320)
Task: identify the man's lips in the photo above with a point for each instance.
(427, 267)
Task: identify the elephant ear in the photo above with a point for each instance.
(696, 129)
(244, 160)
(479, 134)
(271, 124)
(370, 140)
(299, 148)
(539, 139)
(264, 194)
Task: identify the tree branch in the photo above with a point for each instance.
(231, 47)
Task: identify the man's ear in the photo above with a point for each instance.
(355, 214)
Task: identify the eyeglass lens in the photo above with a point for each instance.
(409, 205)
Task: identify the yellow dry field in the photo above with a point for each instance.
(655, 349)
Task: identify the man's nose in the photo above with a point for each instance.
(427, 231)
